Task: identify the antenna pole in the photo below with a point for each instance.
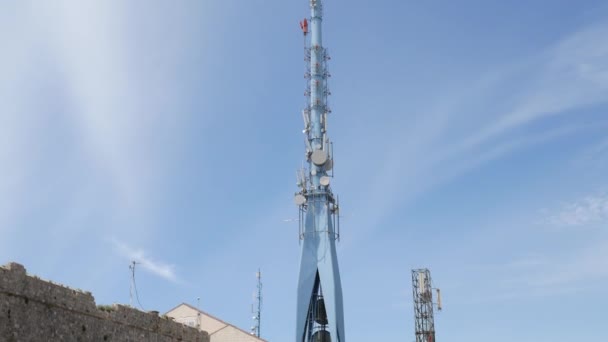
(131, 282)
(133, 285)
(256, 329)
(259, 276)
(198, 312)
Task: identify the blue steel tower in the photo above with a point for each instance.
(320, 315)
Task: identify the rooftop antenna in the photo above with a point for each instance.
(257, 318)
(133, 285)
(198, 312)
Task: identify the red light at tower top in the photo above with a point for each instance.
(304, 26)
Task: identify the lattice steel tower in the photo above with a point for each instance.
(423, 305)
(320, 316)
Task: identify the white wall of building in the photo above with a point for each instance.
(219, 331)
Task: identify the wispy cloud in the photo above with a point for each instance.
(108, 93)
(159, 268)
(455, 136)
(546, 274)
(600, 148)
(89, 46)
(69, 98)
(90, 102)
(595, 155)
(571, 74)
(588, 210)
(563, 272)
(570, 268)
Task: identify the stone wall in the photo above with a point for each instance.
(32, 309)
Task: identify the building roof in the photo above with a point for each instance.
(217, 319)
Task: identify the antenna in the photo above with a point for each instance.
(324, 180)
(301, 180)
(198, 313)
(133, 285)
(308, 145)
(306, 117)
(438, 299)
(257, 318)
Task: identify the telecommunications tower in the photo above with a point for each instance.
(423, 305)
(320, 316)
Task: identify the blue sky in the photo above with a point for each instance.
(470, 138)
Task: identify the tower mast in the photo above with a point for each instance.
(320, 315)
(424, 320)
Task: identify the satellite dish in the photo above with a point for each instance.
(300, 199)
(319, 157)
(324, 181)
(329, 164)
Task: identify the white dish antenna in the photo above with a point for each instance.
(299, 199)
(319, 157)
(329, 164)
(324, 181)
